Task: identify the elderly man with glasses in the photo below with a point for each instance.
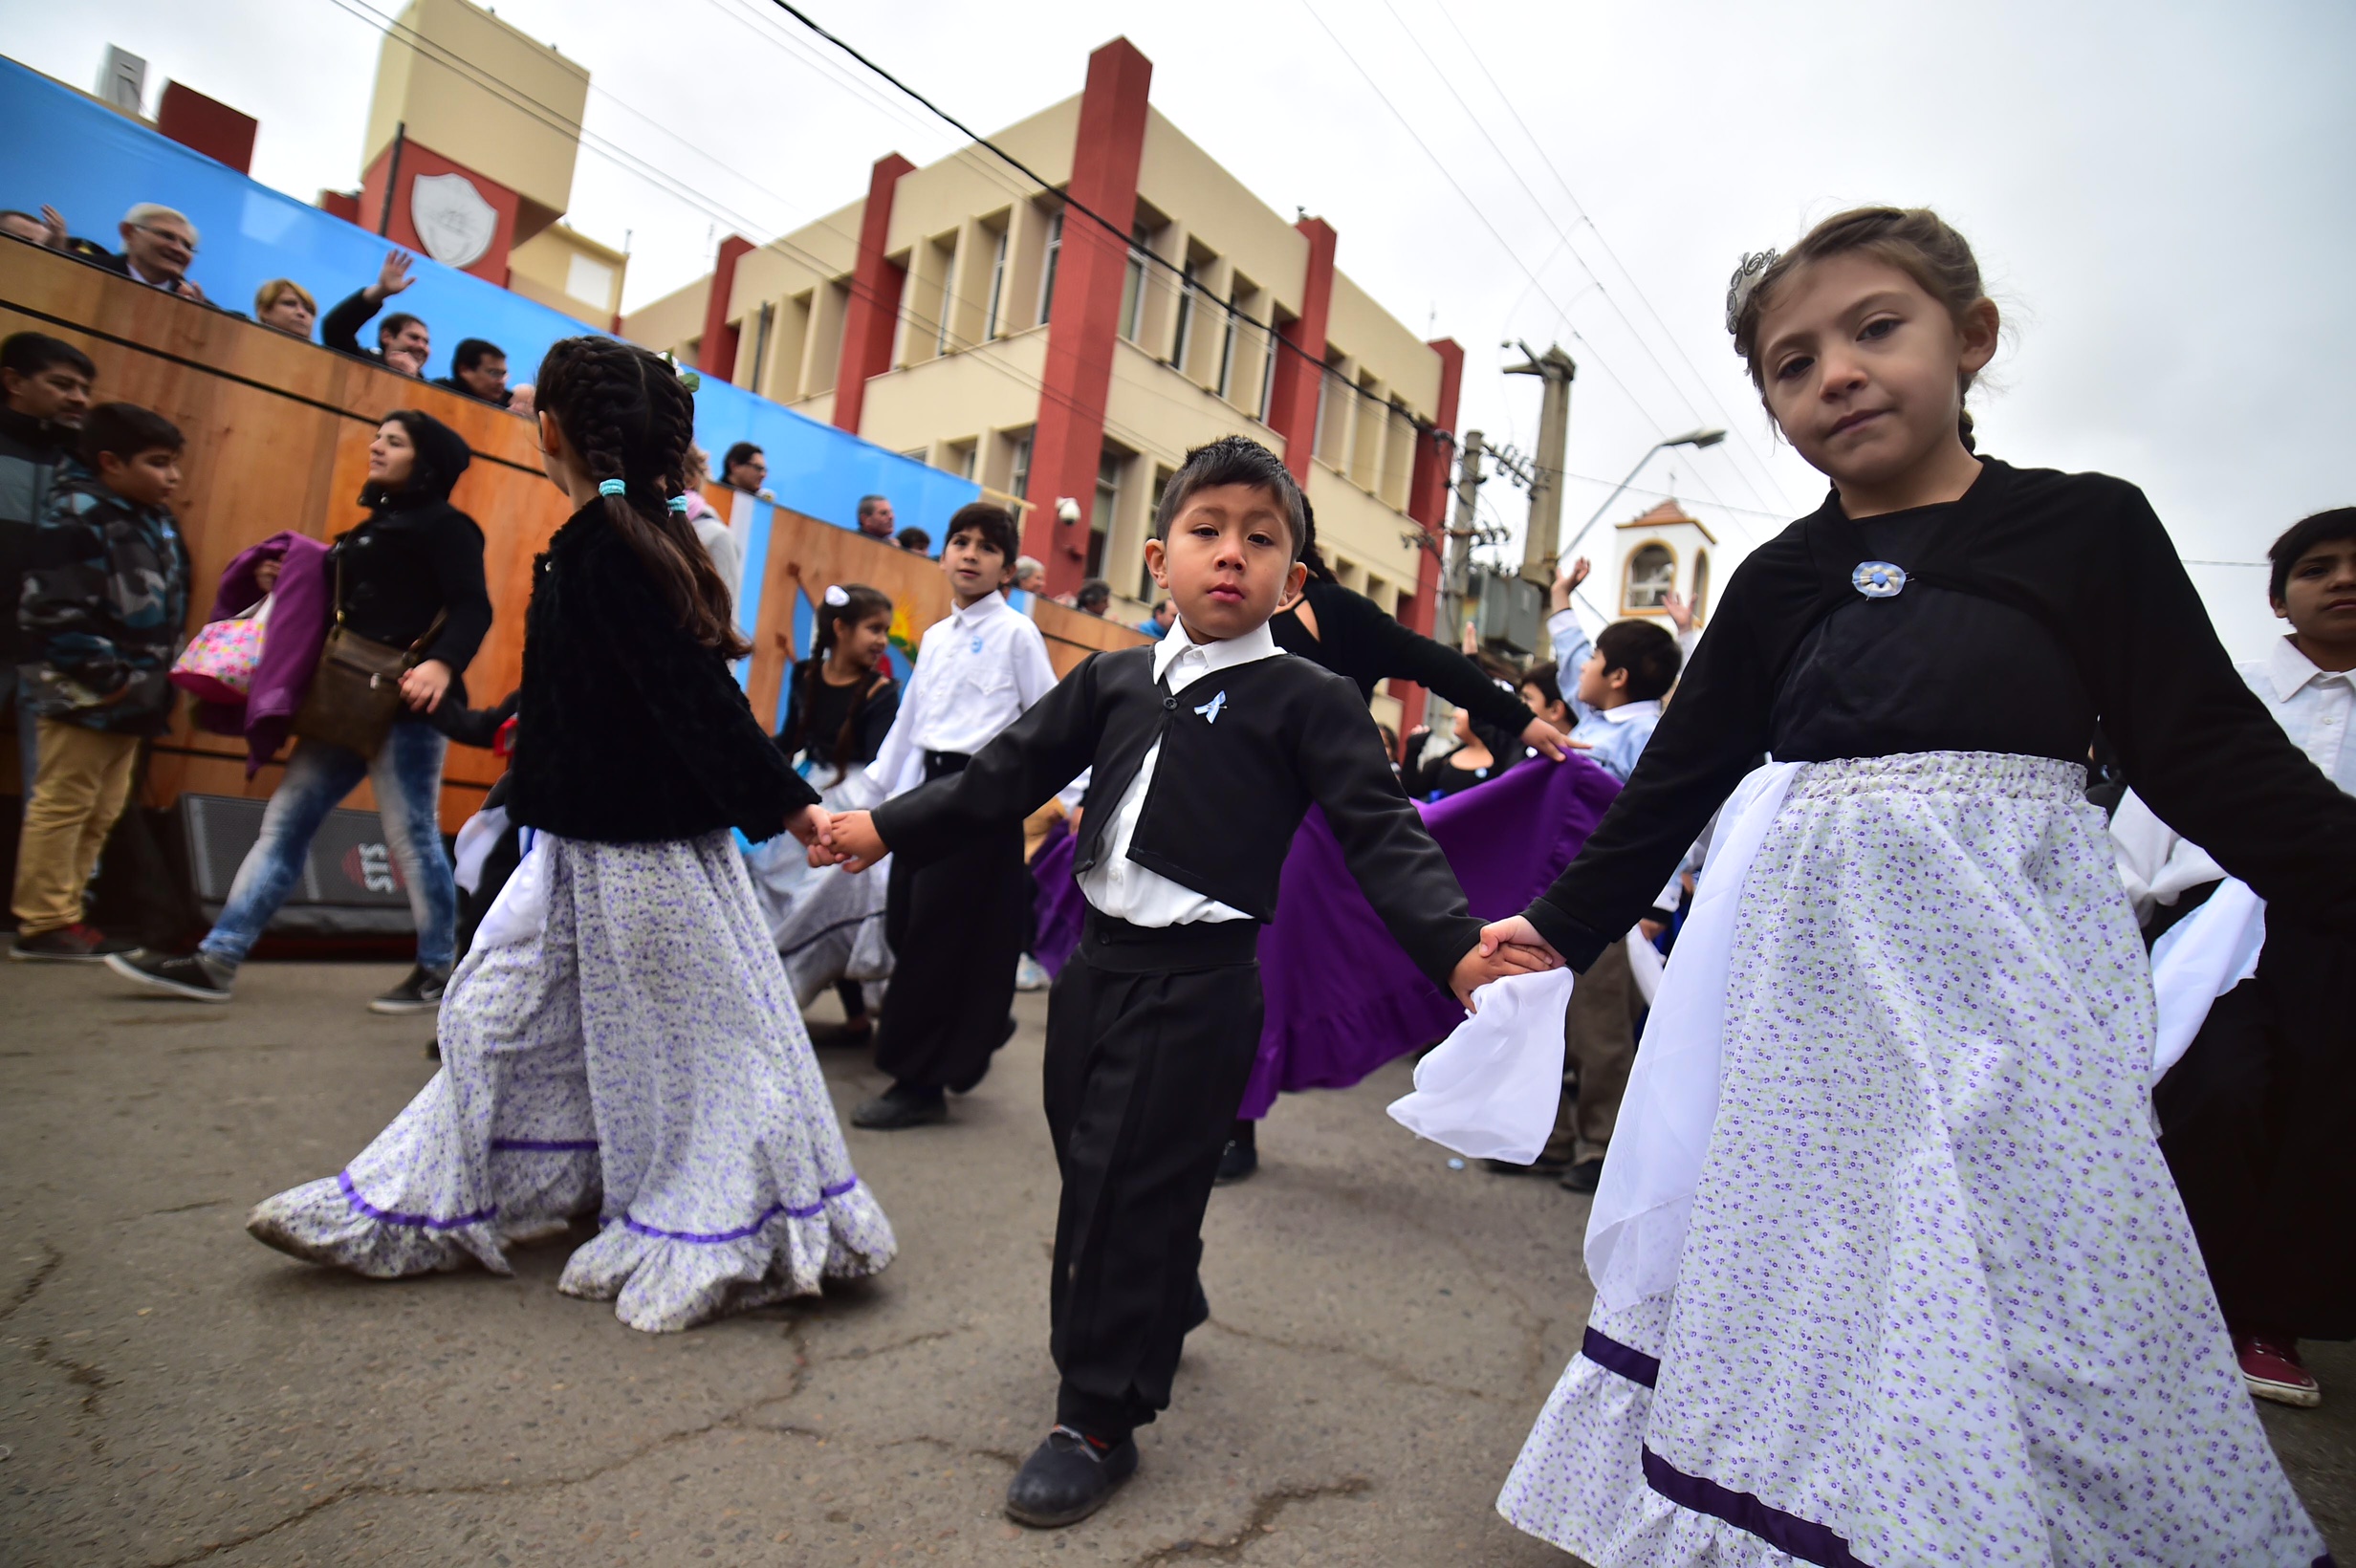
(158, 245)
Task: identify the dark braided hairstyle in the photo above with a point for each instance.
(861, 603)
(626, 414)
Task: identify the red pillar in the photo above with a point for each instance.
(873, 310)
(1084, 321)
(717, 357)
(209, 126)
(1436, 452)
(1292, 401)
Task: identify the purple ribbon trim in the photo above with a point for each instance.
(1787, 1532)
(1628, 1360)
(542, 1146)
(351, 1194)
(710, 1237)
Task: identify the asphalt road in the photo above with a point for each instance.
(1383, 1330)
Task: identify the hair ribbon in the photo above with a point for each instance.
(835, 596)
(678, 504)
(611, 487)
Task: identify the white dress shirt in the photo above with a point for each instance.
(1118, 885)
(2312, 705)
(977, 670)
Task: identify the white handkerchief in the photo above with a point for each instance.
(1489, 1091)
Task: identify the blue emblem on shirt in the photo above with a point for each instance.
(1210, 710)
(978, 642)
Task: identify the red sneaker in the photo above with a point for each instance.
(2273, 1370)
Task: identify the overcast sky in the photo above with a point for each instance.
(2160, 194)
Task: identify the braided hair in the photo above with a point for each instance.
(860, 603)
(628, 415)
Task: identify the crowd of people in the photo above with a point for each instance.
(1921, 1231)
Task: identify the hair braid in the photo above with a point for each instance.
(626, 414)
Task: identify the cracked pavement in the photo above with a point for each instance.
(171, 1392)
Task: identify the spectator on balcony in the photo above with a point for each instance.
(745, 468)
(1157, 624)
(479, 370)
(47, 230)
(286, 305)
(402, 341)
(915, 540)
(1094, 596)
(1029, 574)
(875, 517)
(158, 245)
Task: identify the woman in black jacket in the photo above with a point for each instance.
(621, 1039)
(410, 576)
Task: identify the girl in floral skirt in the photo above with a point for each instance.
(621, 1041)
(1902, 1279)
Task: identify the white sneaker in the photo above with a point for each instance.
(1030, 974)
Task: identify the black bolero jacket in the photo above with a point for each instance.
(629, 730)
(1245, 752)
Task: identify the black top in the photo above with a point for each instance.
(414, 558)
(478, 727)
(629, 730)
(1245, 752)
(816, 712)
(1441, 777)
(339, 328)
(1355, 638)
(2039, 602)
(451, 383)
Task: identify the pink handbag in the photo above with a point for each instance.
(219, 662)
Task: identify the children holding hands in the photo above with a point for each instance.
(1208, 750)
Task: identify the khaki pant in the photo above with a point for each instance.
(1599, 1048)
(83, 785)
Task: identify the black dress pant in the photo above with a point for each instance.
(956, 929)
(2258, 1125)
(1150, 1039)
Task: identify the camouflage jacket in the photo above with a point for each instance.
(105, 595)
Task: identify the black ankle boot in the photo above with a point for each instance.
(902, 1105)
(1067, 1478)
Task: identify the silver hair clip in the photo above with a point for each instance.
(1754, 265)
(835, 595)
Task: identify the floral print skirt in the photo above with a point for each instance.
(621, 1042)
(1938, 1301)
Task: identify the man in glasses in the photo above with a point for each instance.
(158, 245)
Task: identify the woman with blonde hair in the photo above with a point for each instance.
(286, 305)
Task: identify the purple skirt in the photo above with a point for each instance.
(1342, 998)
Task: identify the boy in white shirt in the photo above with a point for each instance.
(957, 924)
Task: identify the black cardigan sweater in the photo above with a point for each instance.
(627, 730)
(416, 557)
(1356, 640)
(1245, 752)
(2040, 603)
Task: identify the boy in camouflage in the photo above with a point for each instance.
(105, 595)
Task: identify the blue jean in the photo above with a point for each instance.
(407, 775)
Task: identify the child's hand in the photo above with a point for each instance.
(1551, 743)
(1479, 967)
(809, 825)
(1517, 931)
(856, 842)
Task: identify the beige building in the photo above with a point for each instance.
(963, 315)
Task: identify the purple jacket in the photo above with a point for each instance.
(298, 615)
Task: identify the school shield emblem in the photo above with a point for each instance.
(451, 218)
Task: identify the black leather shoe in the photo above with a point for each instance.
(1237, 1162)
(1584, 1176)
(897, 1107)
(1066, 1479)
(1540, 1166)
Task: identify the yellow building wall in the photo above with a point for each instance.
(544, 267)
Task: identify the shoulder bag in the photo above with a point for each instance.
(354, 694)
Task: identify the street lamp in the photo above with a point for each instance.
(1691, 438)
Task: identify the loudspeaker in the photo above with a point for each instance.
(350, 884)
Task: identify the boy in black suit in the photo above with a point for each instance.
(1209, 749)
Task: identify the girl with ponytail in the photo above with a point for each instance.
(621, 984)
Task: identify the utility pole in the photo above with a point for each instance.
(1458, 575)
(1554, 435)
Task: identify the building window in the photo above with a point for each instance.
(1701, 583)
(1047, 274)
(1227, 345)
(1133, 286)
(1019, 482)
(947, 256)
(1186, 318)
(1100, 517)
(1268, 378)
(1652, 573)
(761, 327)
(1319, 446)
(997, 288)
(1146, 588)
